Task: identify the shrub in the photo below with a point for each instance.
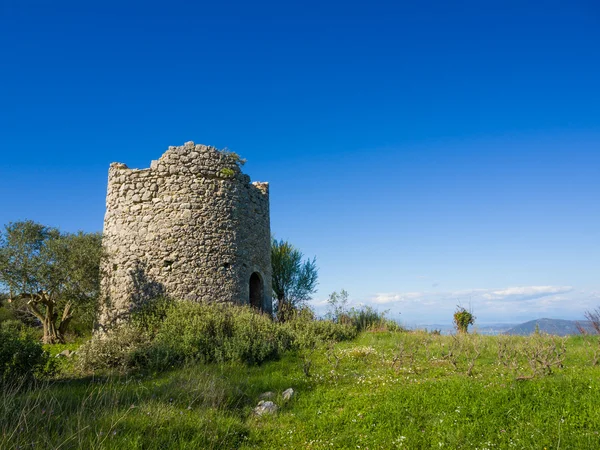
(22, 357)
(226, 172)
(391, 325)
(338, 306)
(219, 332)
(123, 348)
(14, 327)
(363, 319)
(150, 314)
(130, 346)
(6, 314)
(166, 333)
(462, 319)
(196, 331)
(366, 318)
(304, 327)
(329, 331)
(256, 337)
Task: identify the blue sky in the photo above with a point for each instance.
(428, 154)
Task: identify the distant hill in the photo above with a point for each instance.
(493, 328)
(558, 327)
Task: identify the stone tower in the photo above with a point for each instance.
(192, 227)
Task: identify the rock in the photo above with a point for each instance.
(288, 394)
(266, 395)
(265, 408)
(64, 354)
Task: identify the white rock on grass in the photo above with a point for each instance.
(65, 354)
(265, 408)
(288, 394)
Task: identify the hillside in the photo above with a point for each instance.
(381, 391)
(558, 327)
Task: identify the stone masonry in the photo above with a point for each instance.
(192, 227)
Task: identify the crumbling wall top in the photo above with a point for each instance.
(191, 158)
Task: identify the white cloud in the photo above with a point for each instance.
(390, 297)
(526, 292)
(511, 304)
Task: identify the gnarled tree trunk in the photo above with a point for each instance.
(53, 334)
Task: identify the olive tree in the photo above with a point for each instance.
(294, 279)
(52, 274)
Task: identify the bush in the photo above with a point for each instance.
(462, 319)
(329, 331)
(14, 327)
(219, 332)
(150, 314)
(365, 318)
(165, 334)
(6, 314)
(22, 357)
(304, 326)
(391, 326)
(257, 338)
(123, 348)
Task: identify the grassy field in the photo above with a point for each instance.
(381, 391)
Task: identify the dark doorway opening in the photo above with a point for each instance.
(256, 291)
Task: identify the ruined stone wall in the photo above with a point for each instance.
(192, 226)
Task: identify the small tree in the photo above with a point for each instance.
(50, 273)
(462, 319)
(338, 304)
(294, 280)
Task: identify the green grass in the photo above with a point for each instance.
(380, 391)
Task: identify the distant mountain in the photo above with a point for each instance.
(493, 328)
(558, 327)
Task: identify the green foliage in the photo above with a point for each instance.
(233, 157)
(462, 319)
(150, 314)
(166, 334)
(226, 172)
(129, 346)
(307, 331)
(22, 357)
(25, 257)
(50, 274)
(256, 338)
(338, 306)
(124, 348)
(294, 280)
(363, 319)
(214, 332)
(6, 313)
(367, 318)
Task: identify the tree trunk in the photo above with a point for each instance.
(51, 334)
(64, 321)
